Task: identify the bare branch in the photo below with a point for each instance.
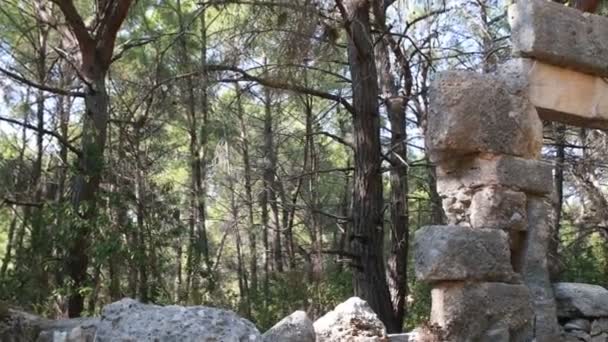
(59, 138)
(25, 81)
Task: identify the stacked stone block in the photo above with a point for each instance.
(487, 267)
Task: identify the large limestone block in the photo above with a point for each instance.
(535, 270)
(529, 176)
(296, 327)
(353, 320)
(559, 35)
(129, 320)
(472, 113)
(482, 311)
(498, 207)
(445, 253)
(560, 94)
(581, 300)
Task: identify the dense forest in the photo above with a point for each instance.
(257, 155)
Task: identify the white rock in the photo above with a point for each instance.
(296, 327)
(352, 321)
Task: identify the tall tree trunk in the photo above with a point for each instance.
(560, 159)
(253, 255)
(199, 247)
(142, 244)
(311, 168)
(270, 187)
(366, 241)
(244, 298)
(9, 244)
(396, 105)
(96, 50)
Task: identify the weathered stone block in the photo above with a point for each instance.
(529, 176)
(581, 300)
(444, 253)
(535, 271)
(469, 312)
(498, 207)
(560, 94)
(559, 35)
(473, 113)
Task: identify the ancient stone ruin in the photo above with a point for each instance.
(488, 267)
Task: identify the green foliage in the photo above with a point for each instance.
(289, 293)
(419, 305)
(584, 258)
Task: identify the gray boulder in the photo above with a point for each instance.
(129, 320)
(352, 321)
(18, 326)
(581, 300)
(448, 253)
(296, 327)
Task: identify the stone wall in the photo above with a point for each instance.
(488, 266)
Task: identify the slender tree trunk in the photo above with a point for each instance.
(560, 159)
(142, 244)
(270, 188)
(199, 246)
(9, 244)
(396, 105)
(366, 241)
(311, 168)
(84, 191)
(244, 298)
(96, 288)
(96, 50)
(253, 255)
(39, 240)
(20, 175)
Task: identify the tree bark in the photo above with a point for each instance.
(96, 50)
(560, 160)
(396, 104)
(366, 241)
(253, 255)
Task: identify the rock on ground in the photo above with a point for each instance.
(129, 320)
(581, 300)
(352, 321)
(17, 326)
(296, 327)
